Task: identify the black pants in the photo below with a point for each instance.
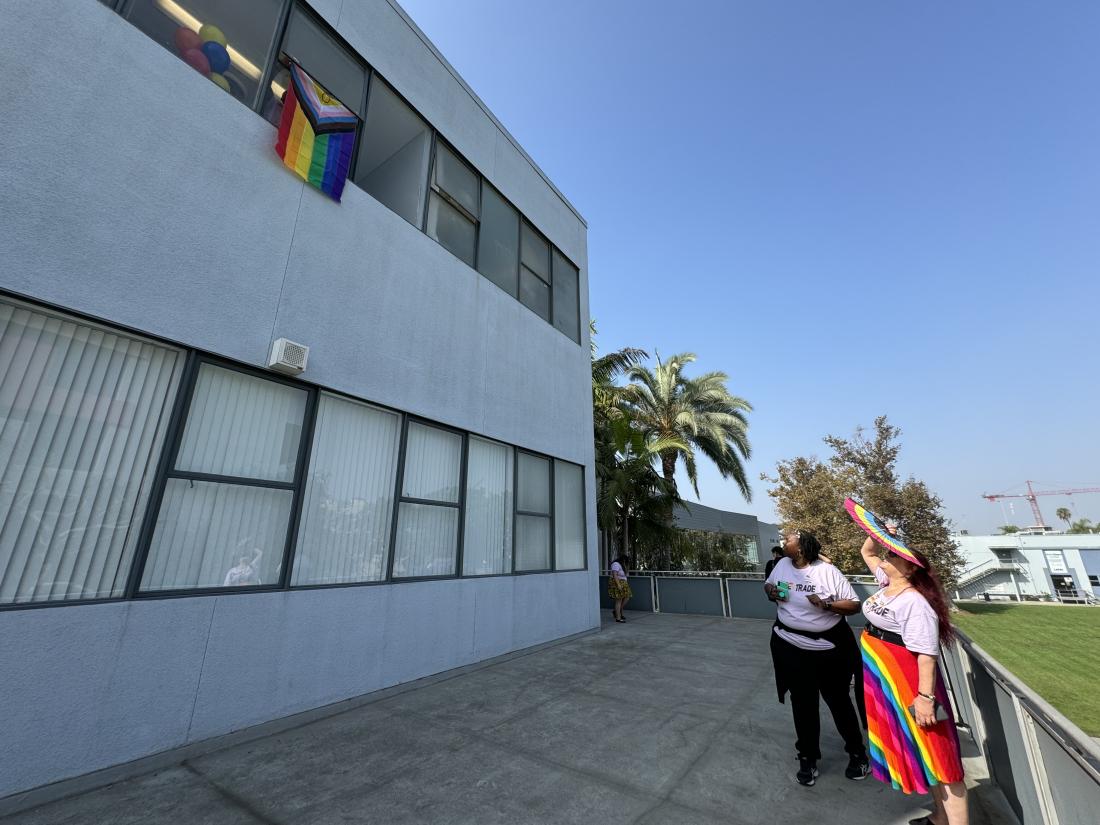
(819, 673)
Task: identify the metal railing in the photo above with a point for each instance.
(988, 566)
(732, 594)
(1047, 768)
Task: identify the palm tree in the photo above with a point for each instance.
(1081, 525)
(687, 414)
(633, 502)
(1064, 514)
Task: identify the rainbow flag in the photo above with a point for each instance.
(316, 134)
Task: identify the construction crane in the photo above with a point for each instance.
(1031, 494)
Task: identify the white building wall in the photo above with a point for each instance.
(137, 192)
(1029, 551)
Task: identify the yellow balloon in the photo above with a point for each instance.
(211, 32)
(219, 80)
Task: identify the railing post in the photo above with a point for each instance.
(654, 594)
(1035, 763)
(723, 588)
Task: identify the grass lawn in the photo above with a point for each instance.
(1054, 650)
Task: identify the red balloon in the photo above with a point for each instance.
(187, 39)
(197, 61)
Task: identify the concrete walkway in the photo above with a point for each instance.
(664, 719)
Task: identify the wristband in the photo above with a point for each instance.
(926, 696)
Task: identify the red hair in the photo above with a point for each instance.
(928, 584)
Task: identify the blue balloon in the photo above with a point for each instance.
(217, 55)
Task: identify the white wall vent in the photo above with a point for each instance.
(288, 357)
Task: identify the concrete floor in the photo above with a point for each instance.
(664, 719)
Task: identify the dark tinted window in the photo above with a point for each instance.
(457, 179)
(337, 69)
(451, 228)
(498, 240)
(242, 33)
(566, 297)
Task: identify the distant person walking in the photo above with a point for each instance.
(617, 588)
(777, 554)
(814, 651)
(909, 719)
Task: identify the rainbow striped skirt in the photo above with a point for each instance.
(910, 758)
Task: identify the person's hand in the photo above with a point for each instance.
(925, 708)
(816, 601)
(892, 528)
(771, 591)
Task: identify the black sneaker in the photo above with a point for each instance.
(857, 768)
(807, 771)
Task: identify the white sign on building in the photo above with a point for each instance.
(1056, 562)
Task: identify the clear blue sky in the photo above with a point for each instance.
(852, 208)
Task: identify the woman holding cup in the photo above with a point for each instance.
(814, 651)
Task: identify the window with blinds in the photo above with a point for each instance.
(569, 544)
(83, 415)
(348, 507)
(487, 542)
(227, 501)
(533, 513)
(428, 514)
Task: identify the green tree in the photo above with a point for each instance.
(1009, 529)
(1064, 514)
(809, 494)
(686, 415)
(633, 503)
(1081, 526)
(706, 550)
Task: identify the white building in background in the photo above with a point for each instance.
(191, 542)
(1052, 566)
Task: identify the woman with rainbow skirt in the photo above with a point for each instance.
(911, 733)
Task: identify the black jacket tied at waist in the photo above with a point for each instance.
(793, 663)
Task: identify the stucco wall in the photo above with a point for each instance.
(137, 192)
(90, 686)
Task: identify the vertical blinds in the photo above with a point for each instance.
(215, 533)
(205, 529)
(83, 414)
(241, 425)
(345, 530)
(568, 516)
(487, 546)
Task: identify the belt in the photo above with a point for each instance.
(886, 635)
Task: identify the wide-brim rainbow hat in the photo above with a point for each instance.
(873, 527)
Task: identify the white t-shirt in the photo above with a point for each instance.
(906, 613)
(819, 578)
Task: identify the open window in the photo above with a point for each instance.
(393, 154)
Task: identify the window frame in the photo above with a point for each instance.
(584, 515)
(519, 238)
(399, 499)
(435, 189)
(465, 481)
(172, 442)
(554, 250)
(517, 512)
(166, 470)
